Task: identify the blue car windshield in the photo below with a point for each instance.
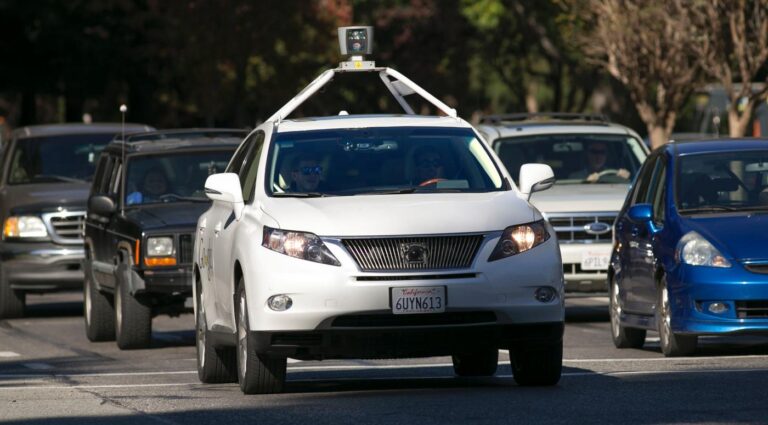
(722, 181)
(381, 160)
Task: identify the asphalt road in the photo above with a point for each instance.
(50, 373)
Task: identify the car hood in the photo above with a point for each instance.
(738, 236)
(172, 215)
(580, 197)
(35, 198)
(408, 214)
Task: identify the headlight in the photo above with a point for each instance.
(306, 246)
(25, 226)
(521, 238)
(694, 250)
(160, 246)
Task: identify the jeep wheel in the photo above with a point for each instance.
(481, 363)
(98, 311)
(214, 365)
(133, 320)
(11, 300)
(257, 373)
(672, 344)
(623, 337)
(538, 365)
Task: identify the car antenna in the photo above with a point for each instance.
(123, 110)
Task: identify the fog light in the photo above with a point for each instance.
(717, 307)
(545, 294)
(280, 302)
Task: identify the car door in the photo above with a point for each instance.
(626, 233)
(95, 225)
(657, 241)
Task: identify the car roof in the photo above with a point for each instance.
(525, 124)
(186, 133)
(175, 140)
(77, 128)
(687, 147)
(367, 121)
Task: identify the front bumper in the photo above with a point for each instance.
(693, 289)
(42, 266)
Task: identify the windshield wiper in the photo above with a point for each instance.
(300, 195)
(57, 178)
(709, 208)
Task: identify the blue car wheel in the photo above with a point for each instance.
(672, 344)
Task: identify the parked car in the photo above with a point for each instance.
(691, 256)
(46, 173)
(374, 236)
(594, 162)
(140, 229)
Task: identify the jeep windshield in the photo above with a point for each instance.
(575, 158)
(177, 177)
(380, 160)
(70, 158)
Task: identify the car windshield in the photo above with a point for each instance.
(575, 158)
(722, 182)
(172, 178)
(387, 160)
(56, 159)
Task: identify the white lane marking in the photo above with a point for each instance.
(37, 366)
(75, 387)
(666, 359)
(9, 354)
(661, 372)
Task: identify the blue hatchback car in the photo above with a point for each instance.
(691, 251)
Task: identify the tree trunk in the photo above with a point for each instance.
(738, 123)
(659, 135)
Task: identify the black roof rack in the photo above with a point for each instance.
(544, 116)
(184, 133)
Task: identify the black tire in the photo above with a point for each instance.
(538, 365)
(133, 320)
(256, 373)
(98, 312)
(672, 344)
(623, 337)
(481, 363)
(214, 365)
(12, 301)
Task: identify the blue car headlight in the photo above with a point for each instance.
(694, 250)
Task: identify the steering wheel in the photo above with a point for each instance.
(430, 181)
(608, 172)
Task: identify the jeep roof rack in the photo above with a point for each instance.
(544, 116)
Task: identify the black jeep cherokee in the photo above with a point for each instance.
(139, 231)
(46, 173)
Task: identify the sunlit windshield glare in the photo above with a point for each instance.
(380, 160)
(56, 159)
(575, 158)
(723, 181)
(172, 178)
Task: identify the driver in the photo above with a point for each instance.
(596, 159)
(305, 174)
(429, 165)
(153, 185)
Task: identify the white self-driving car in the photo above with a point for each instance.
(374, 236)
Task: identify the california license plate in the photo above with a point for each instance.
(595, 260)
(416, 300)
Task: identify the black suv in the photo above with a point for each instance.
(139, 231)
(46, 173)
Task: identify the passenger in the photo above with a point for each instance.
(429, 166)
(153, 185)
(306, 173)
(596, 158)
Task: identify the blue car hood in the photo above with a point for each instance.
(740, 237)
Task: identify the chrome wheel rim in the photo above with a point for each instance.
(200, 334)
(242, 333)
(665, 317)
(88, 306)
(615, 309)
(118, 311)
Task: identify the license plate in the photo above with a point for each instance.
(416, 300)
(595, 261)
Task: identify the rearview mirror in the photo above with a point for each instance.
(535, 178)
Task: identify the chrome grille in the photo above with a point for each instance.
(391, 254)
(572, 227)
(186, 246)
(66, 227)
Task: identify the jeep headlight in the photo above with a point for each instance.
(25, 226)
(160, 246)
(306, 246)
(694, 250)
(520, 238)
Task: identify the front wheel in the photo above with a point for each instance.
(214, 365)
(133, 320)
(538, 365)
(99, 313)
(480, 363)
(623, 337)
(672, 344)
(257, 373)
(12, 301)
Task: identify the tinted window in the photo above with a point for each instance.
(575, 158)
(640, 196)
(658, 191)
(69, 158)
(171, 178)
(250, 169)
(381, 160)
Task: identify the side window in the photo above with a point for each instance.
(237, 159)
(115, 180)
(101, 176)
(659, 192)
(644, 180)
(250, 169)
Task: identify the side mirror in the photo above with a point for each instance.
(640, 213)
(225, 187)
(535, 178)
(101, 205)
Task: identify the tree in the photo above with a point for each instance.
(646, 45)
(732, 46)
